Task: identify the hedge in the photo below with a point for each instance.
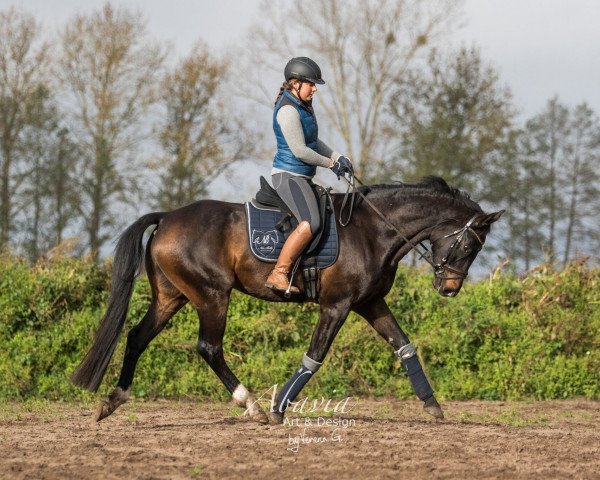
(503, 338)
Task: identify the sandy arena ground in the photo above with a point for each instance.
(374, 439)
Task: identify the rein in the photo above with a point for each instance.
(423, 251)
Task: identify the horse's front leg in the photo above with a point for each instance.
(380, 317)
(330, 321)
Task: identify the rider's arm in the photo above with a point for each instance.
(326, 151)
(289, 121)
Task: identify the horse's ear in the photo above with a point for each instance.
(486, 219)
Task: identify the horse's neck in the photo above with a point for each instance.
(424, 214)
(414, 217)
(413, 214)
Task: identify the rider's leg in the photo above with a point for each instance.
(292, 249)
(298, 195)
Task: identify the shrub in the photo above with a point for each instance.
(534, 337)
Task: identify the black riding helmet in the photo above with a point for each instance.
(303, 69)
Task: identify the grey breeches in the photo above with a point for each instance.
(298, 195)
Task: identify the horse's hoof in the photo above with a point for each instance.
(261, 418)
(432, 407)
(117, 398)
(257, 414)
(253, 410)
(103, 410)
(275, 418)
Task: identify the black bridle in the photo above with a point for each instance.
(442, 267)
(439, 268)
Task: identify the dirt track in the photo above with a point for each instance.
(380, 439)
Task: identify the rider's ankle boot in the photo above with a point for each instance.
(292, 248)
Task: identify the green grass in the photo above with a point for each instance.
(507, 417)
(195, 471)
(45, 410)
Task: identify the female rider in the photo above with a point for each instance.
(299, 153)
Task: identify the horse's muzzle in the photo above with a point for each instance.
(447, 287)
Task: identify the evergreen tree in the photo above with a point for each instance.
(49, 195)
(546, 144)
(451, 117)
(581, 180)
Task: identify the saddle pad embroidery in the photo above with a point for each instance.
(266, 241)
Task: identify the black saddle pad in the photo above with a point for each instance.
(266, 240)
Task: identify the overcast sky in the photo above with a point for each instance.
(540, 47)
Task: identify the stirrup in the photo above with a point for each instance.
(284, 285)
(288, 292)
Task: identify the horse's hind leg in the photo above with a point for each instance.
(212, 310)
(166, 302)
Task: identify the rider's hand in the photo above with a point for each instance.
(342, 166)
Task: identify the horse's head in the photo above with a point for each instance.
(454, 247)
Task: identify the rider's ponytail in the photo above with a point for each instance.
(284, 86)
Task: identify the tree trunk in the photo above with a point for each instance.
(5, 200)
(94, 221)
(552, 226)
(34, 251)
(527, 253)
(572, 210)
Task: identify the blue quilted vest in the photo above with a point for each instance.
(284, 158)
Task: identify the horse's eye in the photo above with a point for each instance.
(467, 249)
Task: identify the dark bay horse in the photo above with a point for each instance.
(200, 252)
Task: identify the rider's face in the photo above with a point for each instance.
(307, 90)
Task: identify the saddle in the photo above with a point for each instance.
(270, 222)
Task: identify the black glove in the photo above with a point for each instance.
(342, 166)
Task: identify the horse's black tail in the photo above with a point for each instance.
(129, 255)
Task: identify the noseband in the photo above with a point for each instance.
(442, 267)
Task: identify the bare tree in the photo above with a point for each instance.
(201, 136)
(363, 47)
(23, 66)
(111, 69)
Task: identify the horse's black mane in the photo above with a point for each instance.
(428, 185)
